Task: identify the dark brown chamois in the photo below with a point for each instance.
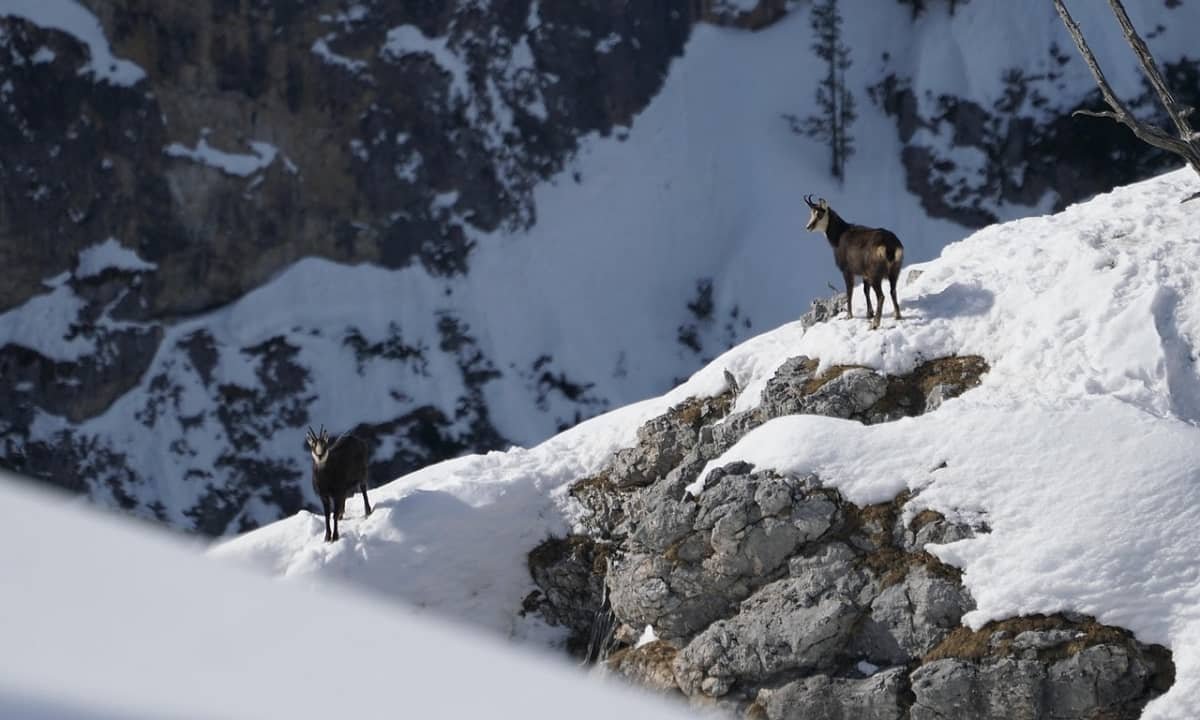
(872, 253)
(338, 470)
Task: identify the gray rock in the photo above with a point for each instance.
(691, 560)
(1104, 680)
(1043, 639)
(790, 391)
(908, 619)
(930, 527)
(824, 310)
(878, 697)
(572, 584)
(781, 628)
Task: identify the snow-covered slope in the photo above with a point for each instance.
(103, 619)
(1080, 450)
(656, 248)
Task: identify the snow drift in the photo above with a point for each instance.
(104, 620)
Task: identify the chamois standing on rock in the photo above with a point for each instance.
(339, 469)
(873, 253)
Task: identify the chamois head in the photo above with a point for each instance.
(318, 444)
(818, 219)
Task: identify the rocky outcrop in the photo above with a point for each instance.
(773, 597)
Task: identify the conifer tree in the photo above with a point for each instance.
(835, 102)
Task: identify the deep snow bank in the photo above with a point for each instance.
(103, 619)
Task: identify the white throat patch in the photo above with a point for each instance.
(816, 223)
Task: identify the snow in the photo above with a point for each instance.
(454, 536)
(648, 636)
(110, 254)
(606, 44)
(321, 49)
(77, 21)
(1080, 450)
(408, 39)
(105, 619)
(241, 165)
(48, 324)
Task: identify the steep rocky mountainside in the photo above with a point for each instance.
(169, 167)
(772, 597)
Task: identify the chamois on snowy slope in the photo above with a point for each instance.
(873, 253)
(339, 469)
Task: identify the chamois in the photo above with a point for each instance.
(338, 470)
(870, 252)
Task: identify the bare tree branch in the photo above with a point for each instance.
(1150, 68)
(1098, 113)
(1185, 146)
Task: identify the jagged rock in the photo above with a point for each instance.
(927, 527)
(571, 572)
(1040, 667)
(862, 394)
(878, 697)
(782, 628)
(910, 617)
(689, 561)
(664, 441)
(823, 310)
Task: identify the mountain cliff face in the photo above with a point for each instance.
(453, 226)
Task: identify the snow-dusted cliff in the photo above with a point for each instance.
(462, 229)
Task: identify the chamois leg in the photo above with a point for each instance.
(867, 295)
(327, 505)
(340, 506)
(878, 302)
(849, 294)
(335, 527)
(366, 502)
(892, 277)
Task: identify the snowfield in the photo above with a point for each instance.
(104, 620)
(1080, 450)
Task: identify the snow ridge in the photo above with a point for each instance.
(1081, 448)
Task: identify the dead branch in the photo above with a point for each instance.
(1184, 145)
